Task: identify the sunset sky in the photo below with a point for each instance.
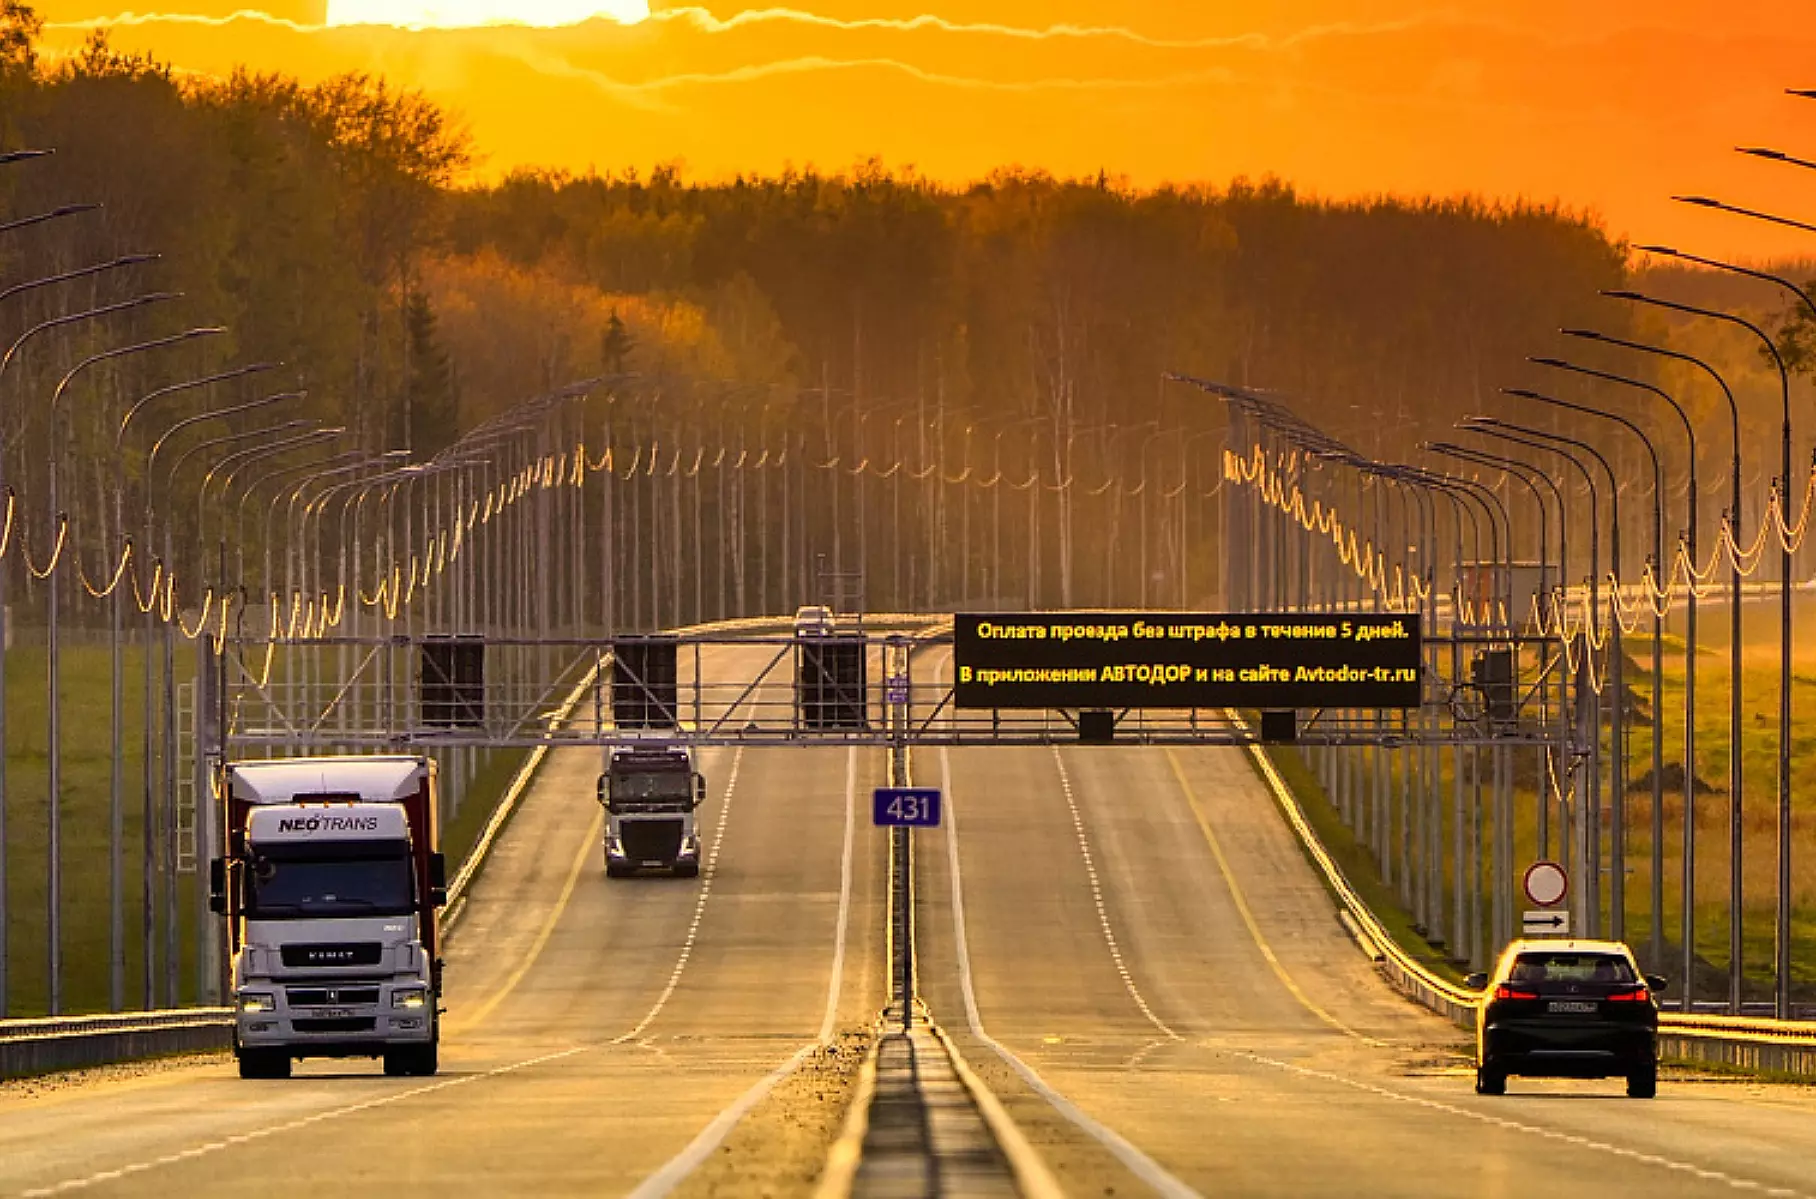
(1609, 106)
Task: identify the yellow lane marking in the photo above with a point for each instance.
(588, 844)
(1248, 916)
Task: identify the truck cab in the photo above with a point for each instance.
(650, 795)
(329, 883)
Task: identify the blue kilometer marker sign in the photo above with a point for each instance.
(906, 807)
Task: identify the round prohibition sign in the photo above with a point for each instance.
(1546, 884)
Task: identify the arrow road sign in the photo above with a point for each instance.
(1545, 924)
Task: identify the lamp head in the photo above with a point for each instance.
(1699, 201)
(1585, 334)
(1763, 152)
(1556, 362)
(1662, 251)
(1624, 294)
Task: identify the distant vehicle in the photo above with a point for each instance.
(330, 882)
(1567, 1009)
(814, 620)
(650, 794)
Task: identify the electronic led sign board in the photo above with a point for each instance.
(1177, 660)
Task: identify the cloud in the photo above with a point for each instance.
(135, 19)
(813, 63)
(703, 19)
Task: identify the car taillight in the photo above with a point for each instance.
(1640, 996)
(1505, 992)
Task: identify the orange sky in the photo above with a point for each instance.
(1611, 105)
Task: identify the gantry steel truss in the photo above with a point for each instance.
(884, 689)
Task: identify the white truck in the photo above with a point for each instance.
(650, 794)
(330, 881)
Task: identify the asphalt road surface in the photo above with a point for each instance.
(1126, 943)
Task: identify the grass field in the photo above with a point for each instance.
(86, 770)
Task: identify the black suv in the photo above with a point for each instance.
(1567, 1009)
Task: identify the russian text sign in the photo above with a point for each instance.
(1175, 660)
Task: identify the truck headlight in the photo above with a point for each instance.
(255, 1002)
(415, 998)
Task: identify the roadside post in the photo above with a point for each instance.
(904, 809)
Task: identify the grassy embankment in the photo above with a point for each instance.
(1759, 764)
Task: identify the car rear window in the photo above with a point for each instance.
(1571, 968)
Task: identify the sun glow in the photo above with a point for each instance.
(462, 14)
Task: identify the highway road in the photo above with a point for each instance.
(1178, 1009)
(596, 1029)
(1127, 945)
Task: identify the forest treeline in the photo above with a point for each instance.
(337, 227)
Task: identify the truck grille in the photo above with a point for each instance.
(651, 840)
(337, 1024)
(354, 953)
(331, 996)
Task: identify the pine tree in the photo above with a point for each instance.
(616, 346)
(431, 396)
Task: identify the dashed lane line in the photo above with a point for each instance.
(1138, 1163)
(706, 890)
(1248, 916)
(543, 934)
(1103, 914)
(703, 1146)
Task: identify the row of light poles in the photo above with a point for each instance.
(1525, 452)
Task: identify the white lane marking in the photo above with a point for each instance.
(706, 890)
(1103, 913)
(833, 985)
(1550, 1134)
(677, 1168)
(77, 1184)
(1139, 1163)
(703, 1146)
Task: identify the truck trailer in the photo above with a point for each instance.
(650, 794)
(330, 879)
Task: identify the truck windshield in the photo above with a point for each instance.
(319, 882)
(669, 786)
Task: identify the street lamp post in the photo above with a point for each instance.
(6, 360)
(117, 681)
(1734, 647)
(1736, 889)
(1526, 473)
(1619, 865)
(54, 746)
(1588, 823)
(1689, 547)
(1781, 972)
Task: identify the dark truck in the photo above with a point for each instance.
(650, 794)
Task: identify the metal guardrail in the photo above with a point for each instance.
(1748, 1043)
(50, 1044)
